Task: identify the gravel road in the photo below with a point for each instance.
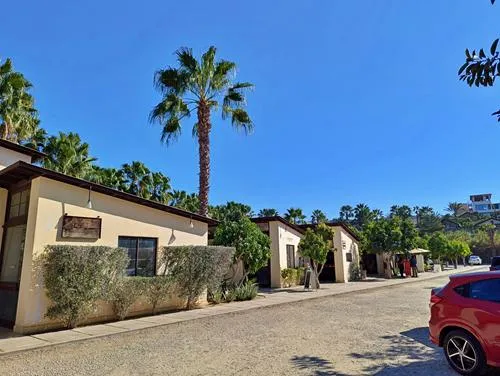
(381, 332)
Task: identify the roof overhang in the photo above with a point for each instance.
(34, 154)
(20, 171)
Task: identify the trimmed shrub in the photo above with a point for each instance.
(77, 276)
(125, 293)
(157, 290)
(300, 276)
(247, 291)
(194, 269)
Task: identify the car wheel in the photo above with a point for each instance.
(464, 353)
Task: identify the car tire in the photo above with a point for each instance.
(472, 361)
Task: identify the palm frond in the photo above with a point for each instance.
(170, 81)
(222, 75)
(171, 130)
(171, 105)
(186, 60)
(240, 119)
(207, 68)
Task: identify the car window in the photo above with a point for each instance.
(488, 289)
(463, 290)
(495, 261)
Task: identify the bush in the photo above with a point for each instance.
(216, 297)
(125, 293)
(77, 276)
(247, 291)
(253, 247)
(300, 276)
(193, 269)
(157, 290)
(289, 277)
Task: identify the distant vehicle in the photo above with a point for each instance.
(495, 263)
(465, 321)
(475, 260)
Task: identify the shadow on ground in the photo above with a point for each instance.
(315, 366)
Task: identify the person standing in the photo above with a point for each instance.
(413, 264)
(401, 266)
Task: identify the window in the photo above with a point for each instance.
(290, 256)
(348, 257)
(142, 255)
(488, 289)
(463, 290)
(19, 204)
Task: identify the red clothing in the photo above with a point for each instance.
(407, 268)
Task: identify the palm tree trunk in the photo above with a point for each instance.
(204, 154)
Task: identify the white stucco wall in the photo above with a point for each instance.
(281, 235)
(8, 157)
(344, 243)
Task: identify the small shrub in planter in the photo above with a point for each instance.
(230, 295)
(76, 277)
(194, 269)
(125, 293)
(247, 291)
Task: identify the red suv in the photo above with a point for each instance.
(465, 321)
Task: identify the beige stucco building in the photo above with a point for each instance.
(285, 238)
(39, 207)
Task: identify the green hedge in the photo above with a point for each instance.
(292, 277)
(77, 276)
(194, 269)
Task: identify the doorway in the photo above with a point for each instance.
(328, 272)
(11, 255)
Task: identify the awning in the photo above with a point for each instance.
(418, 251)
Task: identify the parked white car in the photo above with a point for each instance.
(475, 260)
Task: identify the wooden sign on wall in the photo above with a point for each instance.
(81, 227)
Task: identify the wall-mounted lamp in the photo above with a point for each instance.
(191, 224)
(89, 202)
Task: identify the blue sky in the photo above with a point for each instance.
(355, 101)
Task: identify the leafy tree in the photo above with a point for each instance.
(346, 213)
(481, 68)
(315, 245)
(231, 211)
(403, 211)
(36, 139)
(66, 153)
(489, 229)
(409, 235)
(199, 87)
(185, 201)
(458, 249)
(253, 247)
(438, 245)
(318, 217)
(268, 213)
(18, 117)
(377, 214)
(385, 237)
(295, 216)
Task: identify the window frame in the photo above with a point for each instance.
(155, 254)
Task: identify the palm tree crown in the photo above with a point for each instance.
(18, 117)
(199, 87)
(295, 216)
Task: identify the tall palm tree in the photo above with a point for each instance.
(160, 187)
(199, 87)
(454, 207)
(185, 201)
(66, 153)
(267, 212)
(295, 216)
(109, 177)
(346, 213)
(318, 216)
(17, 112)
(362, 215)
(36, 139)
(138, 179)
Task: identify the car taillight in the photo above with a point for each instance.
(435, 297)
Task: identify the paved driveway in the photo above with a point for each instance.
(381, 332)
